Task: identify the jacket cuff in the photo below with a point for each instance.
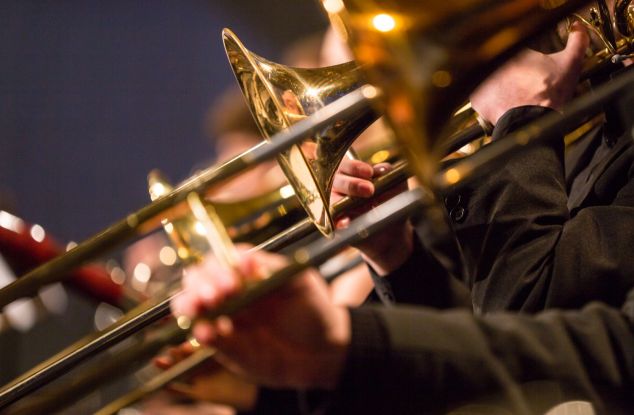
(516, 118)
(420, 280)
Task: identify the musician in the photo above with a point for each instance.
(419, 360)
(569, 254)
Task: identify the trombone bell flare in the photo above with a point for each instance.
(280, 96)
(426, 56)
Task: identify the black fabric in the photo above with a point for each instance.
(437, 290)
(276, 402)
(523, 250)
(419, 361)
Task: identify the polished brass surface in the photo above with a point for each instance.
(173, 204)
(624, 18)
(462, 41)
(252, 220)
(280, 96)
(426, 56)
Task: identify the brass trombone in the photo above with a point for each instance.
(374, 44)
(404, 110)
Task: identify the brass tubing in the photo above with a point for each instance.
(181, 368)
(542, 129)
(121, 363)
(150, 216)
(315, 253)
(304, 228)
(546, 127)
(146, 314)
(52, 368)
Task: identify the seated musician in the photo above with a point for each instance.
(533, 252)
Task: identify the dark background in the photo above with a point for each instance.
(93, 95)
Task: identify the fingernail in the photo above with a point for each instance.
(380, 169)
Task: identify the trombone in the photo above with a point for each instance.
(532, 20)
(397, 208)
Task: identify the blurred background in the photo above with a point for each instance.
(93, 95)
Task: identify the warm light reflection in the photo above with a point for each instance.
(383, 22)
(117, 275)
(380, 156)
(183, 253)
(157, 190)
(167, 256)
(142, 272)
(184, 322)
(333, 6)
(37, 233)
(11, 222)
(200, 229)
(141, 276)
(452, 176)
(287, 191)
(313, 92)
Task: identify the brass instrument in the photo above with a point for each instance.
(414, 93)
(399, 106)
(149, 312)
(425, 72)
(280, 96)
(174, 204)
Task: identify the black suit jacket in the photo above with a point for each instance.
(525, 243)
(525, 250)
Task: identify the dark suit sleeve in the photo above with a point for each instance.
(418, 361)
(421, 280)
(523, 250)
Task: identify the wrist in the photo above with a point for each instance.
(389, 257)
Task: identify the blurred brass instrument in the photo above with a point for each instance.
(461, 42)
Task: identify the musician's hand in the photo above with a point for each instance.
(295, 337)
(210, 382)
(387, 250)
(533, 78)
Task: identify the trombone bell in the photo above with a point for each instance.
(426, 56)
(279, 96)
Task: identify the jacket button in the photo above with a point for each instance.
(452, 201)
(458, 214)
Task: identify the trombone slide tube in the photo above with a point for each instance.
(395, 209)
(151, 215)
(179, 369)
(82, 350)
(150, 312)
(124, 362)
